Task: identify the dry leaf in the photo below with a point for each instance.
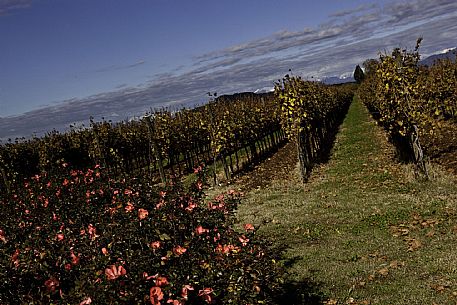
(430, 234)
(437, 287)
(383, 271)
(414, 244)
(331, 302)
(396, 264)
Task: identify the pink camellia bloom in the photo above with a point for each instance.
(249, 227)
(92, 231)
(60, 237)
(74, 258)
(86, 301)
(244, 241)
(51, 284)
(205, 293)
(156, 295)
(142, 214)
(191, 206)
(129, 207)
(147, 277)
(200, 230)
(179, 250)
(161, 281)
(2, 236)
(185, 291)
(155, 245)
(15, 257)
(113, 272)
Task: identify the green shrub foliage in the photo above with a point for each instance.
(82, 237)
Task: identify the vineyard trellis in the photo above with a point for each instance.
(163, 140)
(410, 100)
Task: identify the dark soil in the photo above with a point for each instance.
(278, 166)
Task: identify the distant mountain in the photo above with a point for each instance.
(333, 80)
(428, 61)
(265, 90)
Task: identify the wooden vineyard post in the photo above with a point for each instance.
(213, 149)
(155, 147)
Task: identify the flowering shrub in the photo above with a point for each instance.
(81, 237)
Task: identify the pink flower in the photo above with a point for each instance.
(161, 281)
(60, 237)
(244, 241)
(179, 250)
(65, 182)
(147, 277)
(86, 301)
(185, 290)
(249, 227)
(92, 231)
(142, 214)
(162, 194)
(104, 251)
(51, 284)
(200, 230)
(129, 207)
(191, 206)
(113, 272)
(74, 258)
(206, 294)
(160, 204)
(155, 245)
(15, 258)
(174, 302)
(156, 295)
(2, 236)
(128, 192)
(199, 185)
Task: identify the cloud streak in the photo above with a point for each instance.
(120, 67)
(334, 48)
(6, 6)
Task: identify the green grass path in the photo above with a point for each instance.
(363, 228)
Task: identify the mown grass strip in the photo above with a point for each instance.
(363, 228)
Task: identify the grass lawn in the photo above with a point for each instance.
(364, 229)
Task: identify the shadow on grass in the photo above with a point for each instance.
(298, 293)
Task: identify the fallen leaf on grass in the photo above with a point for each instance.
(430, 234)
(414, 244)
(396, 264)
(331, 302)
(437, 287)
(383, 271)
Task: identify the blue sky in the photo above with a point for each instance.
(62, 61)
